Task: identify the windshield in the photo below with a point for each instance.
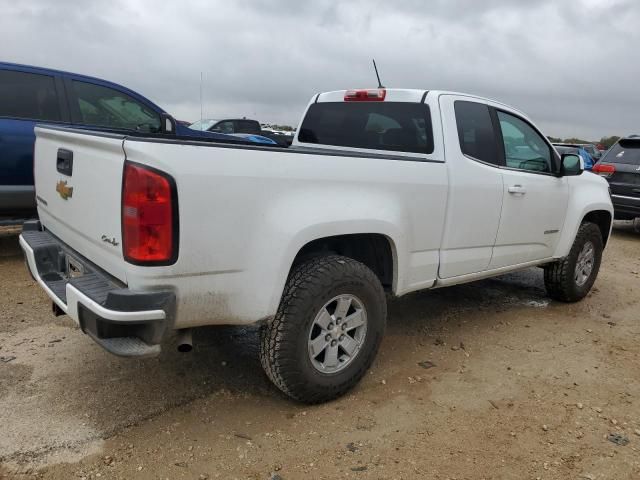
(202, 125)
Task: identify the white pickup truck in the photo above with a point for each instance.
(384, 191)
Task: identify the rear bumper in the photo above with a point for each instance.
(122, 321)
(625, 207)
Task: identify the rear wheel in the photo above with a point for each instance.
(571, 278)
(327, 330)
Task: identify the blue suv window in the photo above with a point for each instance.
(107, 107)
(28, 96)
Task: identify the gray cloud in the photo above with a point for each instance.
(570, 65)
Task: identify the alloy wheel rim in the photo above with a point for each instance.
(337, 334)
(584, 264)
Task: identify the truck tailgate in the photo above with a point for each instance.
(78, 178)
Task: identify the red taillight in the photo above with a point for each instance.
(604, 170)
(371, 95)
(148, 225)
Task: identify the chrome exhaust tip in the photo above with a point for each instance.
(185, 341)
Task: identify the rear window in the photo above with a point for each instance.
(625, 151)
(28, 95)
(394, 126)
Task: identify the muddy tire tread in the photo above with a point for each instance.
(558, 276)
(277, 349)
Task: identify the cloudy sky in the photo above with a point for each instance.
(572, 65)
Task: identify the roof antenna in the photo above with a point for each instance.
(376, 69)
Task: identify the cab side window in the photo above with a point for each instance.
(475, 132)
(106, 107)
(28, 96)
(225, 127)
(524, 147)
(247, 126)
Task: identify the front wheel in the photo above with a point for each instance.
(327, 330)
(571, 278)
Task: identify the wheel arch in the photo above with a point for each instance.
(600, 213)
(603, 219)
(375, 250)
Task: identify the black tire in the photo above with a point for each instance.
(559, 277)
(283, 343)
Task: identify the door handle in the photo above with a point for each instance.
(64, 162)
(517, 189)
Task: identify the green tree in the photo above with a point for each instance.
(609, 141)
(575, 140)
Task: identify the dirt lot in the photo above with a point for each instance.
(514, 387)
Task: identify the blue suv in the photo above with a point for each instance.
(30, 95)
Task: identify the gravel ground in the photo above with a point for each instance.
(486, 380)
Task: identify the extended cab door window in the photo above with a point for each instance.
(476, 133)
(28, 96)
(524, 147)
(107, 107)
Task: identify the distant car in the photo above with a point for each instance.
(589, 161)
(593, 151)
(30, 95)
(229, 125)
(589, 147)
(233, 126)
(621, 167)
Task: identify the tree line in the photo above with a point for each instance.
(607, 142)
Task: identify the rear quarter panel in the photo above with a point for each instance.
(245, 213)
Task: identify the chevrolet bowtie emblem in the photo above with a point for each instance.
(64, 190)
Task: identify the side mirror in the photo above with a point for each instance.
(168, 124)
(571, 164)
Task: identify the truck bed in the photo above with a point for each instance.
(245, 210)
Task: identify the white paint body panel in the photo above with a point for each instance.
(94, 207)
(244, 213)
(474, 204)
(531, 221)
